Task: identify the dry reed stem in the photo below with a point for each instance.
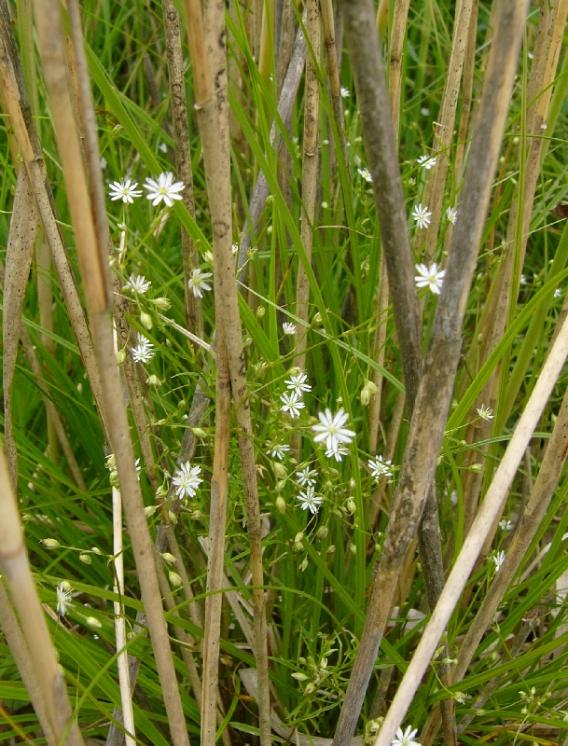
(468, 77)
(182, 155)
(88, 215)
(216, 549)
(15, 565)
(436, 384)
(396, 51)
(14, 103)
(120, 622)
(525, 530)
(502, 298)
(209, 64)
(310, 164)
(17, 646)
(486, 516)
(261, 189)
(328, 28)
(19, 252)
(444, 131)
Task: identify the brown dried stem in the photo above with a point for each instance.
(436, 384)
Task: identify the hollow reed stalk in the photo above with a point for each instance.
(436, 383)
(208, 55)
(486, 516)
(310, 164)
(182, 156)
(88, 217)
(53, 702)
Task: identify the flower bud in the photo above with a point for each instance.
(121, 355)
(85, 558)
(280, 504)
(50, 543)
(367, 392)
(175, 579)
(93, 622)
(146, 320)
(169, 558)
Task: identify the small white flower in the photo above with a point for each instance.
(430, 277)
(331, 430)
(498, 558)
(137, 284)
(298, 383)
(406, 737)
(291, 403)
(558, 293)
(278, 451)
(421, 216)
(345, 92)
(186, 480)
(234, 249)
(523, 280)
(164, 189)
(452, 214)
(365, 174)
(289, 328)
(309, 500)
(143, 351)
(198, 283)
(380, 467)
(427, 162)
(64, 596)
(337, 453)
(124, 190)
(486, 413)
(306, 477)
(505, 524)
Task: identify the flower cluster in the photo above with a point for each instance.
(292, 398)
(163, 189)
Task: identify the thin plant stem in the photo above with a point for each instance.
(489, 510)
(14, 563)
(211, 106)
(310, 164)
(436, 383)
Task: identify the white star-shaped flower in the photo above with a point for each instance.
(309, 500)
(124, 190)
(137, 284)
(306, 476)
(186, 480)
(452, 214)
(427, 162)
(331, 430)
(430, 277)
(198, 283)
(278, 451)
(406, 737)
(291, 403)
(289, 328)
(486, 413)
(143, 351)
(64, 596)
(164, 189)
(380, 468)
(298, 382)
(421, 216)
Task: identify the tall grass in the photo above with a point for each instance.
(267, 584)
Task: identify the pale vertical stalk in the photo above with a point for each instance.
(444, 131)
(328, 28)
(209, 64)
(502, 299)
(468, 77)
(488, 512)
(182, 154)
(531, 518)
(216, 550)
(435, 389)
(14, 564)
(310, 161)
(396, 51)
(18, 648)
(88, 217)
(120, 622)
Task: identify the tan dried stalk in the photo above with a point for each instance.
(182, 156)
(17, 646)
(19, 252)
(502, 300)
(310, 163)
(88, 216)
(216, 550)
(468, 77)
(14, 103)
(328, 28)
(50, 692)
(120, 622)
(436, 384)
(531, 518)
(484, 521)
(209, 64)
(426, 241)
